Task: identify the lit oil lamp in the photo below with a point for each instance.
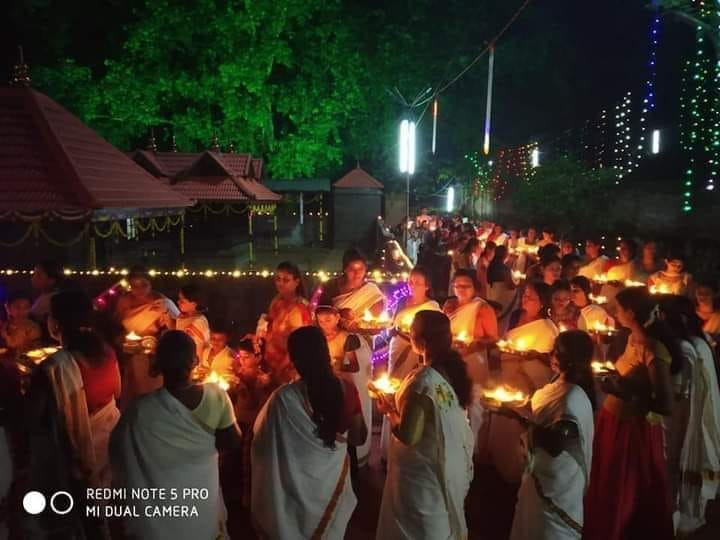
(37, 356)
(631, 283)
(601, 278)
(462, 337)
(603, 329)
(132, 336)
(384, 384)
(370, 322)
(517, 275)
(602, 368)
(504, 396)
(218, 379)
(598, 299)
(510, 346)
(662, 288)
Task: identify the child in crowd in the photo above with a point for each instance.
(19, 333)
(254, 385)
(218, 357)
(350, 357)
(341, 344)
(253, 388)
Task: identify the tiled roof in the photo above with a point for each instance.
(258, 168)
(50, 160)
(240, 169)
(175, 163)
(358, 178)
(207, 188)
(256, 191)
(236, 164)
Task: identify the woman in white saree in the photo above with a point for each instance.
(430, 459)
(71, 412)
(402, 359)
(142, 311)
(693, 436)
(300, 466)
(473, 324)
(352, 296)
(559, 446)
(526, 367)
(169, 439)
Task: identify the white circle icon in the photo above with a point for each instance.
(34, 502)
(64, 506)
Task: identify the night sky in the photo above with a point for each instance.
(599, 52)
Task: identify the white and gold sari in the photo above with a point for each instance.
(401, 358)
(300, 487)
(550, 499)
(359, 300)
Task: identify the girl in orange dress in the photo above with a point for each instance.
(629, 494)
(288, 311)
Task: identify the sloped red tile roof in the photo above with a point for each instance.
(50, 160)
(236, 164)
(257, 191)
(175, 163)
(207, 188)
(358, 178)
(240, 169)
(258, 168)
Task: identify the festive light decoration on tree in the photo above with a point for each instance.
(700, 112)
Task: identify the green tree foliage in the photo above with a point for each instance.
(566, 192)
(275, 78)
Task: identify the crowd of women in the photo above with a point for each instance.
(630, 452)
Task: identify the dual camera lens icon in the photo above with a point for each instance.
(61, 502)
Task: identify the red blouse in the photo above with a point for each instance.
(101, 381)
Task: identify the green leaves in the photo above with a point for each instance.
(280, 79)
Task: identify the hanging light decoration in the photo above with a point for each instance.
(488, 105)
(648, 103)
(435, 120)
(700, 111)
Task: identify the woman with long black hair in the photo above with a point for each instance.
(559, 448)
(430, 457)
(629, 495)
(70, 413)
(301, 435)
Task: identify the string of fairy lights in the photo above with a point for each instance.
(648, 103)
(626, 161)
(700, 111)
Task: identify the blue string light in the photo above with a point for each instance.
(648, 102)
